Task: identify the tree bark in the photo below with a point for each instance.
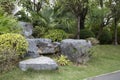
(34, 4)
(99, 33)
(83, 17)
(100, 30)
(82, 22)
(115, 32)
(102, 23)
(78, 27)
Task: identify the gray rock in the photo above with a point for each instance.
(76, 50)
(41, 46)
(32, 48)
(40, 63)
(27, 29)
(48, 47)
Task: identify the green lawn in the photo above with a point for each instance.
(106, 59)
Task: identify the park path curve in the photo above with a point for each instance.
(109, 76)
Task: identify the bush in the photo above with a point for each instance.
(62, 60)
(13, 42)
(106, 37)
(11, 47)
(86, 34)
(38, 31)
(94, 41)
(8, 60)
(8, 24)
(56, 35)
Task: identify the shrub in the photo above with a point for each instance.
(86, 34)
(8, 59)
(13, 42)
(38, 31)
(56, 35)
(8, 24)
(62, 60)
(94, 41)
(106, 37)
(11, 47)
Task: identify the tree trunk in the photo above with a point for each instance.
(78, 27)
(83, 17)
(100, 31)
(82, 22)
(102, 23)
(115, 32)
(34, 4)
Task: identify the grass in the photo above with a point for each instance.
(105, 59)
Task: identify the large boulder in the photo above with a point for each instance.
(76, 50)
(41, 46)
(40, 63)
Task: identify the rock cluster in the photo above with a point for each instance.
(41, 46)
(76, 50)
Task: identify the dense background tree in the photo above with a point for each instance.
(79, 8)
(48, 17)
(31, 10)
(115, 10)
(99, 16)
(7, 5)
(93, 18)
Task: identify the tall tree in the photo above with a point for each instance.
(32, 9)
(79, 8)
(99, 16)
(115, 10)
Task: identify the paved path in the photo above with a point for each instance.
(110, 76)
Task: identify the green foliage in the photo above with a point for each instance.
(56, 35)
(8, 60)
(48, 17)
(34, 8)
(14, 42)
(86, 34)
(22, 16)
(38, 31)
(76, 6)
(96, 15)
(106, 37)
(62, 60)
(7, 5)
(95, 30)
(94, 41)
(12, 46)
(8, 24)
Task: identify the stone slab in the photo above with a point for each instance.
(40, 63)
